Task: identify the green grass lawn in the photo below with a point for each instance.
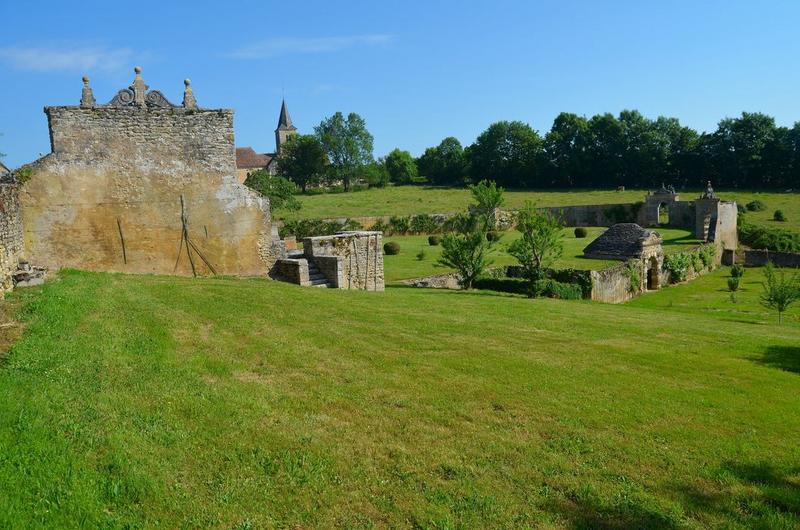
(148, 401)
(709, 294)
(409, 200)
(406, 264)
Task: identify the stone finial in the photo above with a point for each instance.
(189, 102)
(139, 88)
(87, 97)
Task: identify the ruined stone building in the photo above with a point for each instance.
(634, 244)
(247, 160)
(142, 185)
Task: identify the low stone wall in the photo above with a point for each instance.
(360, 254)
(292, 270)
(10, 234)
(437, 281)
(613, 285)
(759, 258)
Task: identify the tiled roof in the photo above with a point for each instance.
(247, 158)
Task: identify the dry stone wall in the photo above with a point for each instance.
(10, 234)
(125, 182)
(349, 260)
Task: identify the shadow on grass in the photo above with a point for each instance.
(590, 513)
(782, 357)
(755, 494)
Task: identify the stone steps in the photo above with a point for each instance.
(316, 277)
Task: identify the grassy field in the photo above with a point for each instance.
(146, 401)
(409, 200)
(407, 265)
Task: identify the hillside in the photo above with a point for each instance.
(143, 401)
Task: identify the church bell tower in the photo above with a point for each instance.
(285, 128)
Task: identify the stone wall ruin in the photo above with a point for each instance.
(141, 185)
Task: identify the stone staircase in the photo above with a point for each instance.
(316, 277)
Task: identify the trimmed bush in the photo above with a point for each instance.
(733, 283)
(755, 206)
(503, 285)
(581, 232)
(492, 235)
(434, 240)
(737, 271)
(779, 216)
(553, 289)
(391, 248)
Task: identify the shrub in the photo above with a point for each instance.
(737, 271)
(779, 216)
(434, 240)
(553, 289)
(708, 255)
(503, 285)
(380, 226)
(678, 266)
(633, 275)
(391, 248)
(780, 290)
(733, 286)
(466, 251)
(399, 225)
(769, 238)
(492, 235)
(755, 206)
(423, 224)
(581, 232)
(315, 227)
(421, 254)
(582, 279)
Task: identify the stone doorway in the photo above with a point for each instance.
(653, 277)
(663, 214)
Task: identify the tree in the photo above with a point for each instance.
(488, 198)
(466, 250)
(540, 245)
(565, 151)
(445, 164)
(279, 190)
(302, 160)
(374, 174)
(507, 153)
(401, 167)
(780, 290)
(347, 143)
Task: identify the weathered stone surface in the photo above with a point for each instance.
(349, 260)
(10, 234)
(108, 197)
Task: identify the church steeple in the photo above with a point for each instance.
(285, 128)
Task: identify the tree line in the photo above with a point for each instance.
(603, 151)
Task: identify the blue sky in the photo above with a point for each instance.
(416, 71)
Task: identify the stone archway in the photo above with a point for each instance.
(653, 274)
(663, 214)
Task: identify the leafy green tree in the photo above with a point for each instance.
(445, 164)
(302, 160)
(466, 250)
(279, 190)
(780, 290)
(507, 153)
(565, 148)
(488, 198)
(540, 244)
(347, 143)
(401, 166)
(605, 150)
(374, 174)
